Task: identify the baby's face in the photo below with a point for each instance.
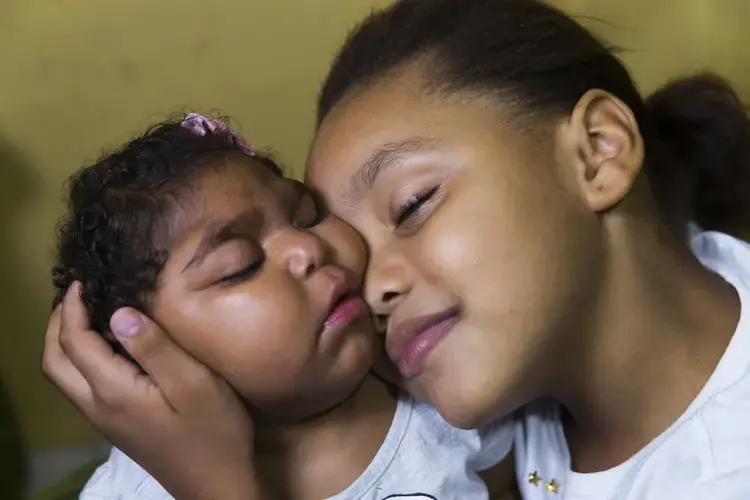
(265, 291)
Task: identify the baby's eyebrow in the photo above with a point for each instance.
(218, 233)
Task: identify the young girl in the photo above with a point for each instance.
(526, 212)
(190, 225)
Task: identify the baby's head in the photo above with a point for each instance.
(237, 262)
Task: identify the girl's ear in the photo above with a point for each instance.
(602, 141)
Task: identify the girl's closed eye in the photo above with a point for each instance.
(413, 210)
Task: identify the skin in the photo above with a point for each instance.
(159, 418)
(543, 237)
(251, 304)
(264, 290)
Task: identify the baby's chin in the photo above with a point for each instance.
(317, 389)
(310, 404)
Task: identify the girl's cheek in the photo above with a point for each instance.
(448, 247)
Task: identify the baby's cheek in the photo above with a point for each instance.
(267, 329)
(193, 326)
(187, 332)
(345, 244)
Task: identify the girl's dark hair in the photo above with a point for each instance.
(114, 236)
(540, 62)
(704, 132)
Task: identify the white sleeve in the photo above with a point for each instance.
(121, 478)
(734, 485)
(496, 442)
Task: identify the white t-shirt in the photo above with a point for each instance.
(422, 457)
(704, 455)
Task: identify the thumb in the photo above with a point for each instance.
(178, 375)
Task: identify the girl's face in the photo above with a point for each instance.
(474, 230)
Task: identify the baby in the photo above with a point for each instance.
(250, 275)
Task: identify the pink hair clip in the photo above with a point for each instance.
(200, 125)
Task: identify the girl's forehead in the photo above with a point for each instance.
(361, 139)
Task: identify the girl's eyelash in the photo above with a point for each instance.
(243, 274)
(414, 203)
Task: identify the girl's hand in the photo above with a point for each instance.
(180, 422)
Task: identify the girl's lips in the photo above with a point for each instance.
(409, 343)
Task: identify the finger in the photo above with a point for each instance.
(60, 371)
(181, 378)
(109, 375)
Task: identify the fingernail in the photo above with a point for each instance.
(75, 288)
(125, 323)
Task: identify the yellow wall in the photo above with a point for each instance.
(80, 75)
(667, 38)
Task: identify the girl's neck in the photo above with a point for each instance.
(662, 325)
(322, 456)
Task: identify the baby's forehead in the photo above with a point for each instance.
(239, 189)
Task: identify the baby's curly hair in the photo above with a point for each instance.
(113, 238)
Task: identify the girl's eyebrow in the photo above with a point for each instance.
(386, 157)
